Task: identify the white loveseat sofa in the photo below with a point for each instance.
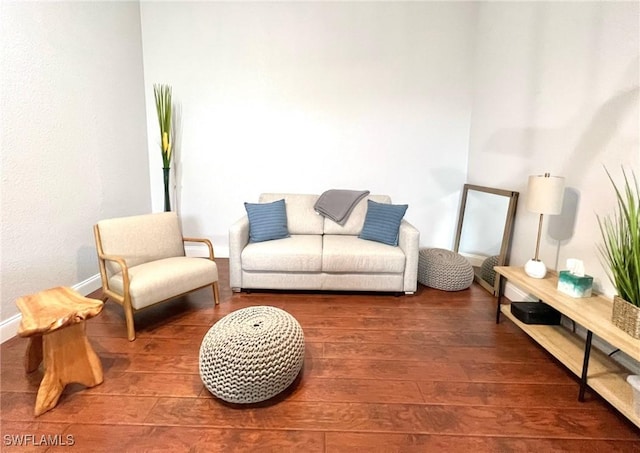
(320, 254)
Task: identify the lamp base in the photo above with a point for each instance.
(535, 269)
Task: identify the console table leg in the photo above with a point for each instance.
(585, 366)
(500, 292)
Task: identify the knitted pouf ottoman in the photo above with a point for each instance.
(252, 354)
(444, 269)
(486, 270)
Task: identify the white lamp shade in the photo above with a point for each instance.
(544, 194)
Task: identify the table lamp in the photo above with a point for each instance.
(544, 196)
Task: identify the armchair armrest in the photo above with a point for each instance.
(105, 278)
(204, 241)
(238, 240)
(409, 242)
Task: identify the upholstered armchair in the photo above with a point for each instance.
(142, 262)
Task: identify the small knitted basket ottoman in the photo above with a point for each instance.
(252, 354)
(444, 269)
(486, 270)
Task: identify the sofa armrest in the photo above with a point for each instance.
(409, 242)
(238, 240)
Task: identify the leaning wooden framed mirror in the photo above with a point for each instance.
(483, 235)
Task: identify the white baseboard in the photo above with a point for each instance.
(203, 251)
(9, 327)
(89, 285)
(475, 260)
(514, 294)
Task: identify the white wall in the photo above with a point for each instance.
(557, 89)
(304, 97)
(73, 137)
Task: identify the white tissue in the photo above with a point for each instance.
(576, 267)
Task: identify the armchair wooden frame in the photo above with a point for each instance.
(125, 299)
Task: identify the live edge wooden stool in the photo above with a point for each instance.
(54, 321)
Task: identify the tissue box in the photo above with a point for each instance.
(573, 285)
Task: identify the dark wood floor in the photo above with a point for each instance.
(430, 372)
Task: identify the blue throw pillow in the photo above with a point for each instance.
(267, 221)
(382, 222)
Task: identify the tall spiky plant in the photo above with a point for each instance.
(162, 94)
(620, 248)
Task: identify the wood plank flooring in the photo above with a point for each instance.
(422, 373)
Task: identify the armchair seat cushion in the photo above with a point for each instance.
(297, 253)
(342, 253)
(163, 279)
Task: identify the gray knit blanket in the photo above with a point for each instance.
(337, 204)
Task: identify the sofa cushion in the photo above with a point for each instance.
(301, 217)
(353, 225)
(382, 222)
(297, 253)
(342, 253)
(267, 221)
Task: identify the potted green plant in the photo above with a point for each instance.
(620, 251)
(162, 94)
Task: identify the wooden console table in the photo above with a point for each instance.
(595, 369)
